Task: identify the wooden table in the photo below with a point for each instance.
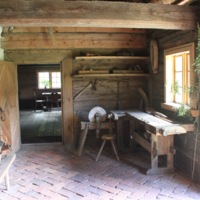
(47, 95)
(159, 140)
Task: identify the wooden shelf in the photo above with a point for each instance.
(111, 57)
(110, 75)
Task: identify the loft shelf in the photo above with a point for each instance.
(111, 57)
(110, 75)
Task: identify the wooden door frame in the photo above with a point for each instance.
(65, 61)
(67, 101)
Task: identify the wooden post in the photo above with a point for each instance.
(67, 101)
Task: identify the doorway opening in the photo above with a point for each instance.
(40, 109)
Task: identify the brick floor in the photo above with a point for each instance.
(49, 172)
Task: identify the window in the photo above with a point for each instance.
(49, 80)
(178, 73)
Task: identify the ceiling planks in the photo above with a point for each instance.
(61, 13)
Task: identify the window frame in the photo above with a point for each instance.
(190, 47)
(50, 78)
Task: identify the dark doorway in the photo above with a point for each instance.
(41, 123)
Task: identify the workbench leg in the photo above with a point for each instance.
(7, 181)
(83, 138)
(132, 143)
(165, 150)
(171, 152)
(154, 156)
(120, 134)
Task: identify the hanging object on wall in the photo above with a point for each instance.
(154, 56)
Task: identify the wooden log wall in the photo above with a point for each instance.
(9, 104)
(184, 144)
(111, 93)
(27, 83)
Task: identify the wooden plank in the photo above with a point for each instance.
(96, 14)
(110, 75)
(156, 125)
(162, 1)
(67, 101)
(34, 56)
(23, 30)
(73, 44)
(93, 126)
(75, 36)
(144, 143)
(75, 40)
(112, 57)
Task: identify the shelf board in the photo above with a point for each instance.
(110, 75)
(111, 57)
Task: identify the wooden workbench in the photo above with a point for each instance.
(161, 138)
(155, 135)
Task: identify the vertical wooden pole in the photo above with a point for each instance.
(67, 101)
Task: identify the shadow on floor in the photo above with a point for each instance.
(40, 127)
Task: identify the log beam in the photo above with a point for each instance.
(73, 41)
(59, 13)
(162, 1)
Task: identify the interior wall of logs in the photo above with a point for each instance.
(111, 93)
(185, 143)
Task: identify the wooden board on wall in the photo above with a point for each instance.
(9, 103)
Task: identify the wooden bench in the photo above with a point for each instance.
(5, 165)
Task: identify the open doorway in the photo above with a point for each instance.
(40, 111)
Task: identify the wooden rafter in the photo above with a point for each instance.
(184, 2)
(176, 2)
(162, 1)
(49, 13)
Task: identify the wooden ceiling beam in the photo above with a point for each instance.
(16, 30)
(175, 2)
(162, 1)
(47, 13)
(73, 41)
(185, 2)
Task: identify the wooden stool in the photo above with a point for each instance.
(111, 138)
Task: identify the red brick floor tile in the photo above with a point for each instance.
(47, 172)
